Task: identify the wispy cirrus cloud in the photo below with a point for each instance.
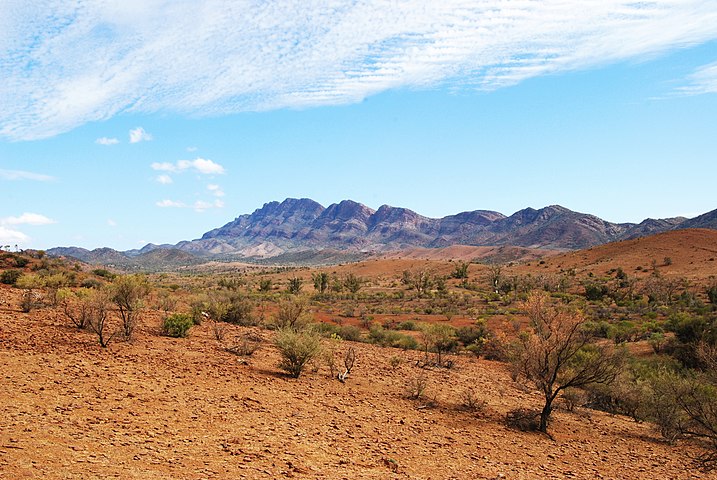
(703, 80)
(199, 165)
(66, 63)
(23, 175)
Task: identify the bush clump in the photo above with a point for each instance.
(177, 325)
(523, 419)
(297, 348)
(10, 277)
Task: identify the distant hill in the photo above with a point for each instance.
(688, 253)
(154, 259)
(299, 228)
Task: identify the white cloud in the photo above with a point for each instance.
(216, 190)
(199, 165)
(106, 141)
(703, 80)
(11, 237)
(138, 134)
(22, 175)
(164, 179)
(69, 63)
(111, 222)
(199, 205)
(27, 219)
(170, 204)
(192, 149)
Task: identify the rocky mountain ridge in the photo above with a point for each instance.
(301, 225)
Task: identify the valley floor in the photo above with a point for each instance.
(185, 408)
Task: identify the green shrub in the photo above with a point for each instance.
(472, 334)
(391, 338)
(177, 325)
(594, 291)
(350, 333)
(104, 273)
(21, 262)
(325, 329)
(408, 325)
(297, 348)
(91, 283)
(9, 277)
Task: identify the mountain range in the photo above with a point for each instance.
(293, 226)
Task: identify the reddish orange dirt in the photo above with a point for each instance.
(184, 408)
(692, 254)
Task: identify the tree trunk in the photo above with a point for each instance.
(545, 415)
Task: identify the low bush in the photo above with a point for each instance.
(297, 348)
(10, 277)
(177, 325)
(390, 338)
(350, 333)
(523, 419)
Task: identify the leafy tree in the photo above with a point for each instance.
(99, 317)
(353, 283)
(321, 281)
(495, 276)
(460, 270)
(558, 353)
(128, 294)
(439, 338)
(295, 285)
(420, 280)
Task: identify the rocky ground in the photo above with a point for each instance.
(186, 408)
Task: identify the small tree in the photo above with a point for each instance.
(77, 306)
(495, 277)
(439, 338)
(128, 293)
(460, 271)
(292, 313)
(420, 280)
(265, 285)
(294, 285)
(99, 317)
(711, 291)
(321, 281)
(353, 283)
(558, 354)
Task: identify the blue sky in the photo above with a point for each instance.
(156, 121)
